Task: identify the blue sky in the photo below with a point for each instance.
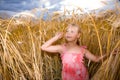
(16, 6)
(21, 5)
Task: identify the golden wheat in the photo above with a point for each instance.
(21, 57)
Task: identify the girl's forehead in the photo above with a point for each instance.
(72, 27)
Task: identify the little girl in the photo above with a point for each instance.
(72, 54)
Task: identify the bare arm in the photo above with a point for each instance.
(94, 58)
(47, 46)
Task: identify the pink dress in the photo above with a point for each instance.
(73, 66)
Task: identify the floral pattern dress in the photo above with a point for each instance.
(73, 66)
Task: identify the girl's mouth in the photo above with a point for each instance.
(68, 37)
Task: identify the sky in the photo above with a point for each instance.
(21, 5)
(16, 6)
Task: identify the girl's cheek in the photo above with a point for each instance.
(65, 35)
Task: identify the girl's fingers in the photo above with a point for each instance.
(59, 35)
(116, 51)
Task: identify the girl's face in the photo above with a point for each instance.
(72, 33)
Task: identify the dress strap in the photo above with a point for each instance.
(83, 49)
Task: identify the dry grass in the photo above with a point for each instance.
(21, 57)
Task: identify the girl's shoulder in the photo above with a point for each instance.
(83, 47)
(62, 48)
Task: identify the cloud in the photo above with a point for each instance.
(18, 5)
(54, 5)
(21, 5)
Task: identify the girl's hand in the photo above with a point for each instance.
(59, 35)
(116, 51)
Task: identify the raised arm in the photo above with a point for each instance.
(47, 46)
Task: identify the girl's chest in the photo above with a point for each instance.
(72, 57)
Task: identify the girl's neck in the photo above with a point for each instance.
(71, 44)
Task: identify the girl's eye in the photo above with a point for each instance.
(66, 30)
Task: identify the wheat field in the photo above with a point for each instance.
(21, 57)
